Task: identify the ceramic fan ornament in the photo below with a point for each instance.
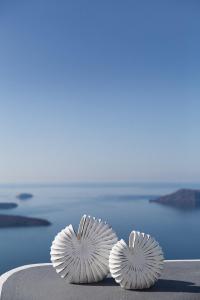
(139, 265)
(83, 257)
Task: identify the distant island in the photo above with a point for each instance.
(24, 196)
(183, 198)
(8, 205)
(20, 221)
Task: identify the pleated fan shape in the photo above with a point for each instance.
(139, 265)
(83, 257)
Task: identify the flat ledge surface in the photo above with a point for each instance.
(180, 280)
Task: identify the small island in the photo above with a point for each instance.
(183, 198)
(24, 196)
(21, 221)
(8, 205)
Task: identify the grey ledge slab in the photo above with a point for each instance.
(180, 280)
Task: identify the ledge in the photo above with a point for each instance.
(180, 280)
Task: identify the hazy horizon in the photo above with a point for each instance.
(99, 91)
(97, 182)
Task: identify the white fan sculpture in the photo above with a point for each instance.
(83, 257)
(138, 265)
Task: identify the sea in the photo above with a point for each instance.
(125, 206)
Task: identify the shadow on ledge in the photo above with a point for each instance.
(166, 285)
(162, 285)
(106, 282)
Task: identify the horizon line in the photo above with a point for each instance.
(98, 182)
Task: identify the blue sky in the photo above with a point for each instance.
(99, 90)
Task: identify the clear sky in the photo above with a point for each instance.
(99, 90)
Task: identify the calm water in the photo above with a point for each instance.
(124, 206)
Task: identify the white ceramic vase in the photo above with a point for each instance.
(83, 257)
(139, 265)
